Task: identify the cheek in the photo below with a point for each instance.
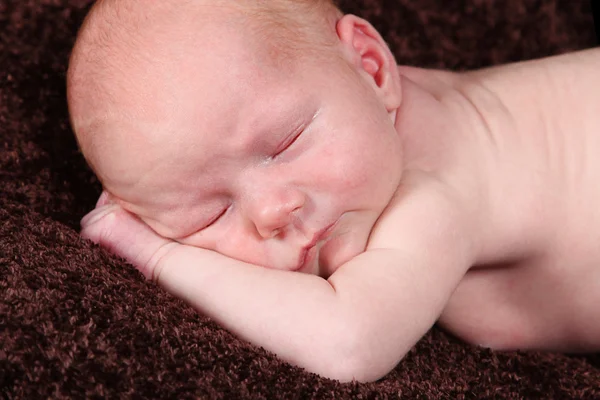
(235, 242)
(353, 166)
(240, 248)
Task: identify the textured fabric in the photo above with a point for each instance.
(77, 322)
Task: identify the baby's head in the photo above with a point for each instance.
(263, 130)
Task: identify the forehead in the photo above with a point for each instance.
(188, 107)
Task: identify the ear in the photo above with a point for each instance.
(370, 55)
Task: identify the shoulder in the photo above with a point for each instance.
(425, 215)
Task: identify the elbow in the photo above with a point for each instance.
(354, 357)
(353, 371)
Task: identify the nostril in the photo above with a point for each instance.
(275, 232)
(268, 233)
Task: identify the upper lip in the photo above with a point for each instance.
(319, 235)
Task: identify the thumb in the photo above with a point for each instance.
(127, 236)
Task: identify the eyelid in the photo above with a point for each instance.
(214, 220)
(289, 141)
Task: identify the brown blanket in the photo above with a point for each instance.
(78, 322)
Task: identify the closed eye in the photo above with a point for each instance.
(288, 143)
(215, 219)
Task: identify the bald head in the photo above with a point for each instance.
(125, 46)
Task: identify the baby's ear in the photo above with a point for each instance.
(368, 52)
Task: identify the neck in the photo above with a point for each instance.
(450, 132)
(439, 134)
(433, 122)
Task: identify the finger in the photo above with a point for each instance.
(127, 236)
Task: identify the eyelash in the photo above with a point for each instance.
(214, 220)
(288, 145)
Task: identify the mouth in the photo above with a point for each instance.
(308, 252)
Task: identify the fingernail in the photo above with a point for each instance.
(96, 215)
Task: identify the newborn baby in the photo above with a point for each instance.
(270, 163)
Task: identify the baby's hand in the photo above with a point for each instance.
(122, 233)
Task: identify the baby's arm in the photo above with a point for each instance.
(358, 324)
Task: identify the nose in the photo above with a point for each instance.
(273, 209)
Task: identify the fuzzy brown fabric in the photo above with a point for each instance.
(77, 322)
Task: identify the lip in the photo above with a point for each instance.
(306, 254)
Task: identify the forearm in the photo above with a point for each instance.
(335, 329)
(288, 313)
(297, 316)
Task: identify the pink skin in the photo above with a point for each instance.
(288, 171)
